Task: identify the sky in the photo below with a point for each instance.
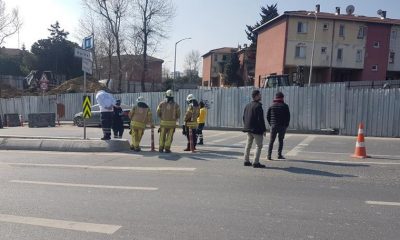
(210, 24)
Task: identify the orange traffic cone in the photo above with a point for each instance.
(360, 151)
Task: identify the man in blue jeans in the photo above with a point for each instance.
(278, 117)
(254, 125)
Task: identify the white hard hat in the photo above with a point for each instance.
(190, 97)
(169, 93)
(140, 99)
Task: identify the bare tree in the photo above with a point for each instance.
(113, 11)
(10, 23)
(192, 65)
(150, 25)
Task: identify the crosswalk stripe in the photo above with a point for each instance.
(300, 146)
(85, 185)
(103, 167)
(397, 204)
(61, 224)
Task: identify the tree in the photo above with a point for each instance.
(231, 76)
(150, 25)
(268, 13)
(113, 11)
(56, 53)
(10, 23)
(192, 65)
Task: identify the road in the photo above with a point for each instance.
(318, 192)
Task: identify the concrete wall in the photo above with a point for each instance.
(395, 47)
(270, 57)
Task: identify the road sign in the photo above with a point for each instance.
(87, 43)
(44, 86)
(83, 54)
(87, 111)
(87, 65)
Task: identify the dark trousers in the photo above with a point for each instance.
(106, 123)
(200, 132)
(280, 131)
(118, 128)
(194, 137)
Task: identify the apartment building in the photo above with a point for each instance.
(214, 66)
(347, 47)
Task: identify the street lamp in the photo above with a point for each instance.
(173, 84)
(313, 46)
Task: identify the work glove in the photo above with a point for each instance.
(183, 129)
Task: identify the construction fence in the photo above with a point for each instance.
(328, 106)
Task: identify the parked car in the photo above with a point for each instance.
(94, 120)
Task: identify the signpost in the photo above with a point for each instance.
(87, 62)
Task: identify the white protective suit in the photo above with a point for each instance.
(105, 101)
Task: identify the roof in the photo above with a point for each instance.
(149, 58)
(220, 50)
(331, 16)
(10, 51)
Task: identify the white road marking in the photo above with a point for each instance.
(61, 224)
(397, 204)
(215, 135)
(339, 153)
(356, 162)
(301, 146)
(103, 167)
(85, 185)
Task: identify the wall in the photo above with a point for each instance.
(376, 56)
(395, 47)
(207, 70)
(271, 43)
(317, 107)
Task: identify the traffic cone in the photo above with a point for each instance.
(360, 151)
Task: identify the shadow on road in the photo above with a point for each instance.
(331, 163)
(310, 172)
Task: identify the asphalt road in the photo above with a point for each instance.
(318, 192)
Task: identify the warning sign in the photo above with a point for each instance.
(87, 111)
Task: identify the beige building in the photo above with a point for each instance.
(214, 66)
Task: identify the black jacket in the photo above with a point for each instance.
(278, 114)
(253, 118)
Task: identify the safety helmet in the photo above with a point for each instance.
(140, 99)
(169, 93)
(190, 97)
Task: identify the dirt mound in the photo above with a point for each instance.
(76, 86)
(6, 91)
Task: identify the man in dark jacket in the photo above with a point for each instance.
(278, 117)
(254, 125)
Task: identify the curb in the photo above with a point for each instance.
(62, 144)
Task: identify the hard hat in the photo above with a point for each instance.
(190, 97)
(169, 93)
(140, 99)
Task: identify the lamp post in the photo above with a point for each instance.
(173, 84)
(313, 47)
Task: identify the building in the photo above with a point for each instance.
(247, 58)
(347, 47)
(132, 69)
(214, 66)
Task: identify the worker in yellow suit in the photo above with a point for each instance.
(201, 121)
(140, 115)
(192, 113)
(168, 111)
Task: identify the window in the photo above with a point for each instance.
(214, 69)
(374, 68)
(394, 34)
(323, 50)
(359, 56)
(300, 52)
(215, 57)
(376, 44)
(301, 27)
(341, 30)
(391, 57)
(224, 57)
(325, 26)
(340, 54)
(361, 32)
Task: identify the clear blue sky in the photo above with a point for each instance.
(210, 23)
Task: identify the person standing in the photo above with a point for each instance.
(118, 123)
(192, 113)
(278, 117)
(106, 102)
(254, 125)
(140, 115)
(168, 111)
(201, 120)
